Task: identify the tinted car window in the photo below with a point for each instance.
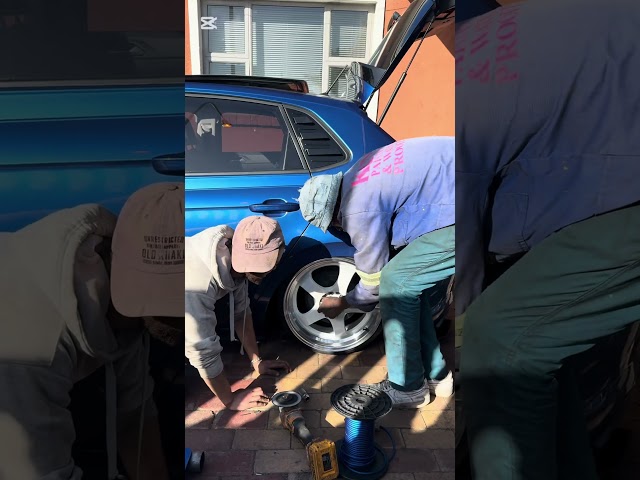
(320, 148)
(229, 136)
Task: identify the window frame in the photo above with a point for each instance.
(284, 111)
(347, 152)
(368, 6)
(279, 107)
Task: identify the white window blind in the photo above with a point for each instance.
(230, 34)
(287, 43)
(348, 37)
(225, 68)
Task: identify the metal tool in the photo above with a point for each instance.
(321, 453)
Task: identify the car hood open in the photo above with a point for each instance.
(364, 79)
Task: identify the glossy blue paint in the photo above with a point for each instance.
(65, 147)
(226, 199)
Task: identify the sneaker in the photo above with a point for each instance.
(413, 399)
(442, 388)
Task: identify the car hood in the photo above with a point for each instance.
(364, 79)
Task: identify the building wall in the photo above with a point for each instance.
(425, 104)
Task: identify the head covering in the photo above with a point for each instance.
(318, 199)
(147, 266)
(255, 247)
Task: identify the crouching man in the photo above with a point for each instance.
(219, 262)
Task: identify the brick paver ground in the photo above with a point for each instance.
(240, 445)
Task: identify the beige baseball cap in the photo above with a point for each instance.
(147, 266)
(256, 243)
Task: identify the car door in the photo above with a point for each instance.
(240, 160)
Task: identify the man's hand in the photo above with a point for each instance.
(333, 306)
(248, 398)
(271, 367)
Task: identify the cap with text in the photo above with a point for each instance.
(256, 245)
(147, 269)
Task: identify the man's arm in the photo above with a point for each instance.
(247, 335)
(370, 237)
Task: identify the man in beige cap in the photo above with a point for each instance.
(219, 262)
(73, 304)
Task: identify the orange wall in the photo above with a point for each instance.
(187, 44)
(425, 104)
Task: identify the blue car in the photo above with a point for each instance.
(251, 143)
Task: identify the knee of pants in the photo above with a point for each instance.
(483, 340)
(392, 285)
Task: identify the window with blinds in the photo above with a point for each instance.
(288, 41)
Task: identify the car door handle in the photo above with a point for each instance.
(274, 206)
(170, 164)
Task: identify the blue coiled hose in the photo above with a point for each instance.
(358, 451)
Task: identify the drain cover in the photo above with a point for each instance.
(360, 402)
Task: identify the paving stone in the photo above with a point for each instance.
(208, 401)
(201, 419)
(435, 476)
(194, 389)
(210, 440)
(300, 476)
(440, 403)
(411, 419)
(273, 422)
(277, 461)
(412, 460)
(364, 374)
(439, 419)
(308, 371)
(372, 359)
(446, 459)
(382, 439)
(226, 464)
(271, 476)
(247, 419)
(332, 384)
(313, 385)
(317, 401)
(331, 418)
(351, 360)
(261, 439)
(399, 476)
(430, 438)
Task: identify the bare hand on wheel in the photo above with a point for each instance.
(332, 306)
(249, 398)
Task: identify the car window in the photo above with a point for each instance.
(230, 136)
(320, 148)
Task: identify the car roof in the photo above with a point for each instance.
(270, 95)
